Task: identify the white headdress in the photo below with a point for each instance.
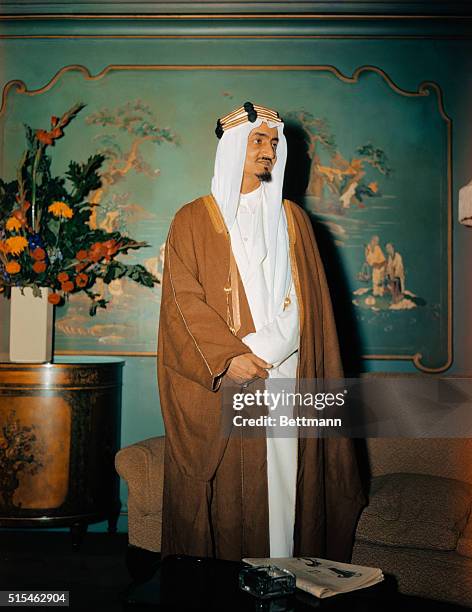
(233, 131)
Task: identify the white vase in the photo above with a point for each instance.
(4, 329)
(31, 326)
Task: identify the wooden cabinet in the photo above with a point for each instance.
(59, 432)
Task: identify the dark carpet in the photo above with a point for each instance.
(95, 575)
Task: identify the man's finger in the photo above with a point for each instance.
(261, 373)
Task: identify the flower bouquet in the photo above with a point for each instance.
(46, 235)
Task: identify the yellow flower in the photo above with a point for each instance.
(13, 224)
(16, 244)
(61, 209)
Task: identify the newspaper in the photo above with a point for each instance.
(323, 578)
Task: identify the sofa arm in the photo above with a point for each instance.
(141, 465)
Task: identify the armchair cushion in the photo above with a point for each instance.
(416, 510)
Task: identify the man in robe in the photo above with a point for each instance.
(245, 299)
(376, 259)
(395, 272)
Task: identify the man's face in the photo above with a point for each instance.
(261, 152)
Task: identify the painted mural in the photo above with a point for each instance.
(369, 161)
(338, 187)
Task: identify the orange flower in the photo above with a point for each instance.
(373, 186)
(13, 267)
(62, 277)
(39, 266)
(111, 248)
(81, 255)
(38, 254)
(61, 209)
(13, 224)
(67, 287)
(48, 138)
(20, 213)
(56, 132)
(16, 244)
(81, 280)
(80, 266)
(97, 251)
(54, 298)
(44, 137)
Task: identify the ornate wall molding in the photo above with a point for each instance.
(244, 25)
(424, 88)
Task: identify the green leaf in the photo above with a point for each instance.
(115, 270)
(84, 177)
(139, 274)
(30, 138)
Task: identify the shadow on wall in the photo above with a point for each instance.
(297, 175)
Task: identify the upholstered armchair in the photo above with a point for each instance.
(141, 466)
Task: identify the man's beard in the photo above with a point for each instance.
(265, 176)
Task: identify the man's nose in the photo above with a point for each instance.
(268, 151)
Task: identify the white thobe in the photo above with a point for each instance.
(276, 341)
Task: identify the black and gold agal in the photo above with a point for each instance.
(248, 113)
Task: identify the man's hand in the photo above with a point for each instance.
(244, 368)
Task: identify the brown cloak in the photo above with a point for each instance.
(215, 488)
